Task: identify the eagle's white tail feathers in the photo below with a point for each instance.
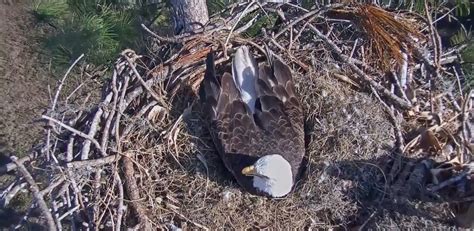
(245, 75)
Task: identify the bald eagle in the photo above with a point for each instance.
(256, 122)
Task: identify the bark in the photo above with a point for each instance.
(189, 15)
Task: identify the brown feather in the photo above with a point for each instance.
(276, 127)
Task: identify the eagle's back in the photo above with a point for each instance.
(241, 136)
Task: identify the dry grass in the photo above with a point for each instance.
(349, 138)
(389, 35)
(202, 191)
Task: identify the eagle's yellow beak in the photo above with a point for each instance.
(249, 171)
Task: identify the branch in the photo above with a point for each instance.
(36, 193)
(52, 186)
(397, 100)
(133, 192)
(448, 182)
(121, 207)
(6, 198)
(73, 130)
(94, 127)
(12, 166)
(152, 93)
(165, 39)
(55, 100)
(94, 162)
(235, 24)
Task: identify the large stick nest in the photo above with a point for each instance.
(388, 144)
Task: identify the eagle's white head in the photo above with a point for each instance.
(271, 174)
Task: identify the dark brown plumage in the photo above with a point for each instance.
(240, 136)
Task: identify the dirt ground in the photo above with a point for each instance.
(24, 80)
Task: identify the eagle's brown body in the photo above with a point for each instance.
(240, 136)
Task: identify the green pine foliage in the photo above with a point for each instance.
(468, 65)
(97, 28)
(102, 28)
(463, 7)
(215, 6)
(50, 10)
(263, 21)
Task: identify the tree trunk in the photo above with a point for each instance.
(189, 15)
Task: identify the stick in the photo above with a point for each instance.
(294, 22)
(165, 39)
(301, 64)
(105, 130)
(83, 135)
(12, 193)
(36, 193)
(397, 128)
(448, 182)
(56, 96)
(93, 130)
(367, 221)
(132, 191)
(56, 215)
(24, 218)
(235, 24)
(464, 124)
(69, 212)
(12, 166)
(152, 93)
(247, 25)
(94, 162)
(189, 220)
(131, 185)
(397, 100)
(180, 38)
(70, 148)
(121, 207)
(434, 37)
(52, 186)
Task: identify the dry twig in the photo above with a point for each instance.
(395, 99)
(36, 193)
